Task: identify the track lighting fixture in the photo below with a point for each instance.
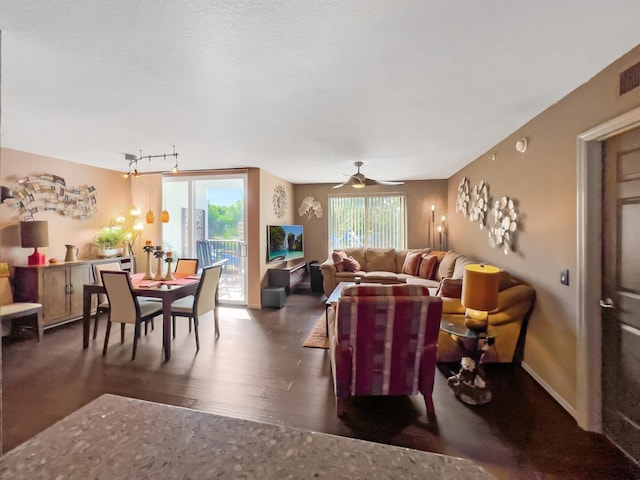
(133, 162)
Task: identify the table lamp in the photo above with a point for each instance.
(479, 294)
(35, 234)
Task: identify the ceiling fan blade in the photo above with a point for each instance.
(371, 181)
(349, 181)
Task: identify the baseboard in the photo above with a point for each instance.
(555, 395)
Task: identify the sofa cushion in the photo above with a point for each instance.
(338, 257)
(401, 255)
(427, 268)
(461, 262)
(447, 264)
(378, 276)
(432, 285)
(411, 263)
(383, 259)
(351, 264)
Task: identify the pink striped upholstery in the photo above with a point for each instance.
(383, 341)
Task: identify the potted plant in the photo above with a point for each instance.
(108, 241)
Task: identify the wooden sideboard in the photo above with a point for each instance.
(58, 286)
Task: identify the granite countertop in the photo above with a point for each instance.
(116, 438)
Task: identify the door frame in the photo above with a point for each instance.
(589, 263)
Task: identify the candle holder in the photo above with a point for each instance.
(169, 260)
(148, 249)
(159, 254)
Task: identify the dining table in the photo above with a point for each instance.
(167, 291)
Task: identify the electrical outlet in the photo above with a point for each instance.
(564, 277)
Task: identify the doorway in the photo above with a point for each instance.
(590, 280)
(621, 292)
(210, 216)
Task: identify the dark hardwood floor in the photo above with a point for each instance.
(259, 370)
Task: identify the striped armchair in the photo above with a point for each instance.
(384, 341)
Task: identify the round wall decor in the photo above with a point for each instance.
(279, 201)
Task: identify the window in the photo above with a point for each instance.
(367, 221)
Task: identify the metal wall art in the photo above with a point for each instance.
(49, 192)
(505, 224)
(309, 207)
(462, 202)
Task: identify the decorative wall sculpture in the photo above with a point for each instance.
(479, 204)
(279, 201)
(309, 207)
(462, 202)
(505, 224)
(49, 192)
(503, 221)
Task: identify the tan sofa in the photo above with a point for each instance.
(379, 265)
(515, 298)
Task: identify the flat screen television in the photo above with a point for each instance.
(284, 243)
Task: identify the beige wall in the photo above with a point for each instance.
(113, 197)
(543, 181)
(268, 182)
(420, 196)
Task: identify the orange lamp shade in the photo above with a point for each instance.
(480, 287)
(164, 216)
(150, 217)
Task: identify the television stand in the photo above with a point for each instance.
(287, 277)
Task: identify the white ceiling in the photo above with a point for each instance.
(301, 88)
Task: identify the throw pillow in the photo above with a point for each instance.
(450, 288)
(411, 263)
(428, 264)
(338, 257)
(351, 264)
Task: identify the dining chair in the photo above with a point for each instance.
(103, 303)
(125, 307)
(205, 300)
(188, 266)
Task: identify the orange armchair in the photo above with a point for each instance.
(383, 340)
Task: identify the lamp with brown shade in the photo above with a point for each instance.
(35, 234)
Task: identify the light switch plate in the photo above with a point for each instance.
(564, 277)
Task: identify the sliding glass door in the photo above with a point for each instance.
(207, 219)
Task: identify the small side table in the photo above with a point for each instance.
(468, 384)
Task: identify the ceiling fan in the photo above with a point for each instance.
(358, 180)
